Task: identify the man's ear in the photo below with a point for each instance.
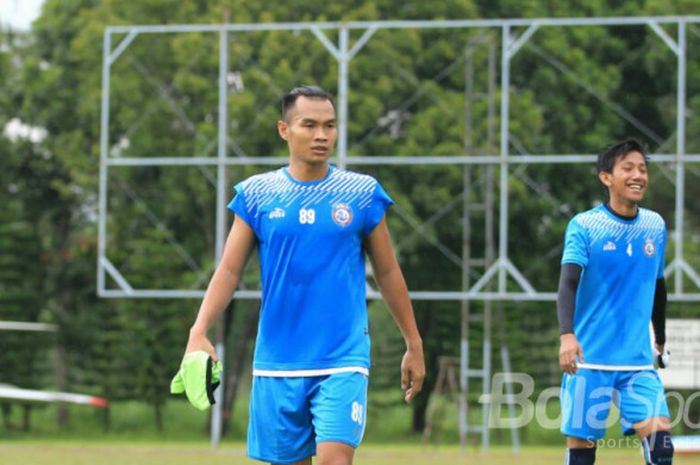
(282, 129)
(605, 178)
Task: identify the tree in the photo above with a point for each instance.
(572, 90)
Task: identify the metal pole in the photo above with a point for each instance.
(222, 143)
(464, 343)
(486, 391)
(489, 245)
(104, 153)
(503, 214)
(343, 60)
(489, 187)
(507, 369)
(217, 410)
(466, 250)
(409, 24)
(680, 152)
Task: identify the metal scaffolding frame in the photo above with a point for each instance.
(492, 285)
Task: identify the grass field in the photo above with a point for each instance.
(132, 440)
(76, 453)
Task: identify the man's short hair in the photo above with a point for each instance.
(314, 92)
(610, 154)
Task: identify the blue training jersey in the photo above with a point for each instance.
(622, 260)
(313, 315)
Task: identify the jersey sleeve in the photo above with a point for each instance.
(378, 206)
(662, 254)
(238, 205)
(575, 245)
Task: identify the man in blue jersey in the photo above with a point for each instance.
(611, 287)
(311, 223)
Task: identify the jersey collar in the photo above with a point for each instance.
(285, 170)
(625, 219)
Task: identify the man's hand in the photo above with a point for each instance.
(661, 356)
(569, 351)
(412, 372)
(199, 341)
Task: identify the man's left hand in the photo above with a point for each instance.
(412, 373)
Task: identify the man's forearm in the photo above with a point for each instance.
(219, 293)
(658, 314)
(566, 296)
(395, 293)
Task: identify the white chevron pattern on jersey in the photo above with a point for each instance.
(600, 225)
(265, 188)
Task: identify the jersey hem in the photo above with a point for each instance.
(307, 373)
(352, 444)
(572, 261)
(268, 459)
(596, 366)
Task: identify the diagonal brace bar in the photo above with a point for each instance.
(519, 278)
(361, 41)
(673, 45)
(517, 44)
(116, 275)
(326, 41)
(690, 272)
(122, 46)
(486, 277)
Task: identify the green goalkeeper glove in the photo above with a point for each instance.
(198, 377)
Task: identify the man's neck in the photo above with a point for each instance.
(623, 209)
(305, 172)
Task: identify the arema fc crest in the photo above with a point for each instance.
(342, 214)
(649, 248)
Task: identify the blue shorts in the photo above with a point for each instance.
(587, 395)
(289, 416)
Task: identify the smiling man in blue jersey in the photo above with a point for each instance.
(312, 224)
(611, 287)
